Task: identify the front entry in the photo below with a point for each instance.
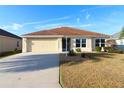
(66, 44)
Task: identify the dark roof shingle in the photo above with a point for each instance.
(8, 34)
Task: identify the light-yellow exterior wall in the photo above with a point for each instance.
(9, 44)
(52, 44)
(89, 44)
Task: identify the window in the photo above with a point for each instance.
(100, 42)
(97, 42)
(17, 43)
(80, 42)
(83, 42)
(77, 42)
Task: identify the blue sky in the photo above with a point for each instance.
(25, 19)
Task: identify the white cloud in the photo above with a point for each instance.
(46, 21)
(13, 26)
(17, 26)
(90, 9)
(49, 26)
(78, 20)
(94, 8)
(87, 25)
(88, 16)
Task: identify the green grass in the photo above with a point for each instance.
(5, 54)
(98, 71)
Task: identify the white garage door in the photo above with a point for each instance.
(43, 45)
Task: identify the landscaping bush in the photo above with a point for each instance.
(108, 49)
(71, 53)
(78, 50)
(113, 50)
(98, 49)
(15, 49)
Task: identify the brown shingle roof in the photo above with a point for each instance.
(67, 31)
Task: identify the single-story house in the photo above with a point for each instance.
(62, 39)
(119, 41)
(9, 41)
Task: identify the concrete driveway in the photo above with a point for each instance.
(28, 70)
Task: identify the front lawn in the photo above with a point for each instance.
(9, 53)
(100, 70)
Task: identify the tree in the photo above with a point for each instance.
(122, 33)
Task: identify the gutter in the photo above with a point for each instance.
(42, 36)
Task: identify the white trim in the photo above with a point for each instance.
(40, 36)
(74, 36)
(84, 43)
(24, 45)
(66, 45)
(84, 36)
(60, 44)
(81, 42)
(99, 42)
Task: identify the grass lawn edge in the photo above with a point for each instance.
(60, 76)
(8, 55)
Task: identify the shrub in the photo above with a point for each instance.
(108, 49)
(83, 55)
(98, 49)
(78, 50)
(121, 52)
(71, 53)
(113, 50)
(15, 49)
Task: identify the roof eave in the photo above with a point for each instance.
(28, 36)
(39, 36)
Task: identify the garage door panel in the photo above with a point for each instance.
(43, 45)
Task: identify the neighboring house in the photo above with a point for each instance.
(62, 39)
(119, 41)
(9, 41)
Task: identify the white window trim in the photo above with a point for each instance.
(81, 42)
(99, 42)
(78, 43)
